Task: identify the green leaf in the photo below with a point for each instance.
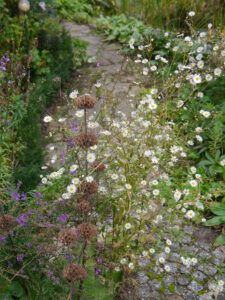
(205, 163)
(217, 156)
(215, 221)
(117, 276)
(218, 210)
(220, 240)
(16, 289)
(209, 157)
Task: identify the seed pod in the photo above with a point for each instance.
(87, 230)
(98, 166)
(83, 206)
(85, 101)
(6, 222)
(67, 236)
(86, 140)
(74, 272)
(88, 188)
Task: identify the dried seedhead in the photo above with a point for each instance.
(84, 206)
(67, 236)
(87, 230)
(6, 222)
(98, 166)
(74, 272)
(85, 101)
(82, 198)
(88, 188)
(86, 140)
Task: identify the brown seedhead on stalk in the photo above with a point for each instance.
(74, 272)
(88, 188)
(82, 198)
(83, 206)
(6, 222)
(98, 166)
(67, 237)
(85, 101)
(86, 140)
(87, 230)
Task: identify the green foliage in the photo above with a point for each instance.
(48, 43)
(172, 14)
(219, 211)
(120, 28)
(80, 53)
(212, 164)
(74, 10)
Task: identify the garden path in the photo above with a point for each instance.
(192, 283)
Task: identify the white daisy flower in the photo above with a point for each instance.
(75, 180)
(169, 243)
(161, 260)
(91, 157)
(153, 68)
(79, 113)
(123, 261)
(71, 189)
(190, 214)
(128, 186)
(197, 78)
(167, 250)
(167, 268)
(73, 168)
(44, 180)
(191, 13)
(208, 77)
(128, 226)
(155, 192)
(144, 253)
(131, 266)
(89, 178)
(222, 163)
(217, 72)
(193, 183)
(74, 94)
(47, 119)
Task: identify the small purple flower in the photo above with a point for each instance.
(24, 196)
(57, 280)
(97, 270)
(20, 257)
(40, 262)
(63, 218)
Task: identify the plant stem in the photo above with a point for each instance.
(83, 263)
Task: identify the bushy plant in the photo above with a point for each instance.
(75, 10)
(38, 78)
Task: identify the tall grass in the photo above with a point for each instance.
(172, 13)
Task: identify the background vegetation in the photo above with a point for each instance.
(172, 13)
